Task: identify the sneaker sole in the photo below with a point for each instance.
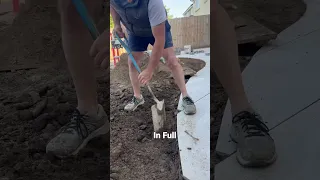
(257, 163)
(100, 131)
(188, 113)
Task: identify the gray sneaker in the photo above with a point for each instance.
(188, 106)
(134, 103)
(78, 132)
(255, 147)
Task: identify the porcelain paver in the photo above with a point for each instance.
(284, 82)
(195, 155)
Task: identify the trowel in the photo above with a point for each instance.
(158, 109)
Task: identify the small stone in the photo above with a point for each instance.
(25, 115)
(18, 166)
(142, 127)
(140, 122)
(43, 90)
(40, 107)
(40, 122)
(114, 176)
(115, 153)
(189, 148)
(22, 106)
(34, 96)
(140, 137)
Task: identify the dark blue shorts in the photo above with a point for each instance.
(139, 44)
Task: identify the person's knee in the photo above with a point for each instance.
(130, 63)
(172, 62)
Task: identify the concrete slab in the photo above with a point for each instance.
(298, 148)
(305, 25)
(279, 84)
(195, 155)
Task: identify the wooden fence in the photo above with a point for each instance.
(194, 31)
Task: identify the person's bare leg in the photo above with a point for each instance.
(133, 73)
(176, 69)
(76, 44)
(172, 62)
(90, 120)
(225, 58)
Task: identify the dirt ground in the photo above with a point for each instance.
(35, 103)
(274, 14)
(134, 151)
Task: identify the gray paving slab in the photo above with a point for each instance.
(298, 146)
(305, 25)
(279, 84)
(195, 154)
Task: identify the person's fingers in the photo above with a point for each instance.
(101, 56)
(98, 59)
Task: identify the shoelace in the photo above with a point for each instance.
(188, 100)
(251, 124)
(134, 100)
(77, 124)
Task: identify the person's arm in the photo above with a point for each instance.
(115, 16)
(157, 18)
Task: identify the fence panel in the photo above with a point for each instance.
(194, 31)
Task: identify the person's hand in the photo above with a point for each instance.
(145, 76)
(100, 50)
(117, 29)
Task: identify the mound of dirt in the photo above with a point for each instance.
(121, 72)
(135, 154)
(34, 37)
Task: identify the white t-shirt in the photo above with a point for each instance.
(156, 12)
